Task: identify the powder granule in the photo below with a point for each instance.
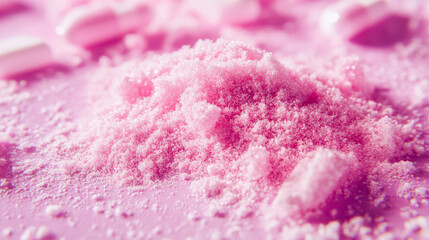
(55, 211)
(223, 113)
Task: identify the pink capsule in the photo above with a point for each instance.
(6, 4)
(366, 22)
(98, 22)
(23, 54)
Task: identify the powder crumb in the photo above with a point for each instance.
(421, 192)
(404, 190)
(44, 233)
(329, 231)
(97, 197)
(299, 194)
(42, 184)
(109, 214)
(414, 203)
(29, 233)
(211, 187)
(193, 216)
(55, 211)
(110, 232)
(407, 212)
(416, 224)
(258, 162)
(217, 211)
(387, 236)
(381, 228)
(131, 235)
(72, 222)
(365, 232)
(215, 170)
(233, 232)
(120, 212)
(7, 232)
(144, 203)
(216, 235)
(99, 209)
(94, 227)
(309, 231)
(157, 230)
(155, 207)
(352, 227)
(136, 235)
(245, 211)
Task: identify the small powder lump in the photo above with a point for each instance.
(245, 129)
(55, 211)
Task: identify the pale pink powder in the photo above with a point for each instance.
(242, 125)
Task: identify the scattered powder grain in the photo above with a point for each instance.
(55, 211)
(7, 232)
(29, 233)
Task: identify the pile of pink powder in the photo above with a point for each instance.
(304, 120)
(249, 132)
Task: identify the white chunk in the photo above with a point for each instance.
(97, 197)
(44, 233)
(7, 232)
(29, 233)
(312, 181)
(55, 211)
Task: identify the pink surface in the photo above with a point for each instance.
(287, 133)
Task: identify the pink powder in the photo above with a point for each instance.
(243, 127)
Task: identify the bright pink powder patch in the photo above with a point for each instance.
(240, 123)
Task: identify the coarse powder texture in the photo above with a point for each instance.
(242, 126)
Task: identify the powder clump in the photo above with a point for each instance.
(238, 122)
(55, 211)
